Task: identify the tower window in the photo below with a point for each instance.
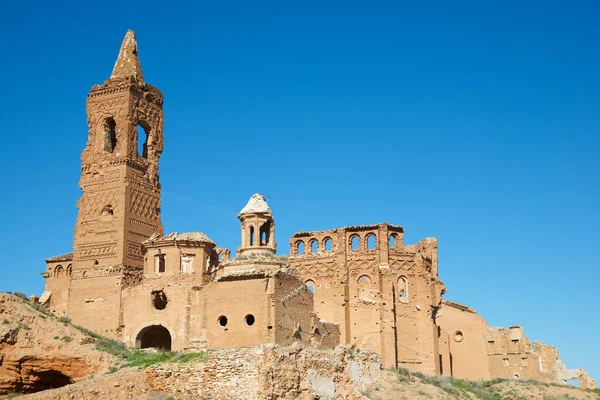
(187, 263)
(265, 233)
(110, 135)
(328, 246)
(251, 236)
(159, 262)
(142, 141)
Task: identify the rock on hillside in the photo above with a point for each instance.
(39, 352)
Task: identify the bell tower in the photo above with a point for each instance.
(258, 227)
(120, 204)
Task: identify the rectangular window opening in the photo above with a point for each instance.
(159, 262)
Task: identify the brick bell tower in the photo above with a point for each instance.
(120, 204)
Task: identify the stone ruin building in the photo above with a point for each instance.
(359, 286)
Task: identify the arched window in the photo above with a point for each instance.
(355, 242)
(364, 287)
(371, 242)
(314, 246)
(328, 245)
(265, 233)
(110, 135)
(69, 269)
(58, 271)
(310, 285)
(403, 289)
(300, 247)
(392, 240)
(251, 236)
(142, 141)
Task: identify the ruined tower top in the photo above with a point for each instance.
(128, 62)
(258, 227)
(256, 204)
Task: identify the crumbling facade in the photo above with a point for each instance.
(360, 286)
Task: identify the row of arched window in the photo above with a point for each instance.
(59, 271)
(366, 290)
(313, 246)
(355, 243)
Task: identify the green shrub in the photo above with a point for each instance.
(112, 369)
(403, 374)
(56, 337)
(65, 320)
(66, 339)
(87, 331)
(22, 295)
(6, 322)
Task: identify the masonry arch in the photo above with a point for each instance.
(154, 336)
(365, 286)
(314, 246)
(392, 240)
(327, 244)
(109, 135)
(58, 271)
(300, 247)
(265, 234)
(371, 241)
(403, 289)
(142, 136)
(354, 242)
(310, 285)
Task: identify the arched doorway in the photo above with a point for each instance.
(156, 336)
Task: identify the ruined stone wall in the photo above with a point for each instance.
(270, 371)
(95, 300)
(58, 275)
(462, 342)
(158, 301)
(233, 302)
(293, 310)
(382, 294)
(512, 356)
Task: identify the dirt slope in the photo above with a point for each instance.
(38, 351)
(402, 385)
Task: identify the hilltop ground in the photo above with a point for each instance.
(40, 352)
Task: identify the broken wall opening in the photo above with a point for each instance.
(154, 336)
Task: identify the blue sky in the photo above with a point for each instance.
(475, 122)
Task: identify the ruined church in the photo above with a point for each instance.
(358, 286)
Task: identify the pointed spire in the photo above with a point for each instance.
(128, 63)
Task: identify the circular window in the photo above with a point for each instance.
(458, 336)
(250, 319)
(223, 320)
